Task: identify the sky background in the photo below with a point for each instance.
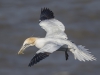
(19, 19)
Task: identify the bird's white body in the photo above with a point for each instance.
(40, 42)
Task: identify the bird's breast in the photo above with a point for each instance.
(40, 43)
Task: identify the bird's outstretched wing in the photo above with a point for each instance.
(43, 53)
(53, 28)
(49, 23)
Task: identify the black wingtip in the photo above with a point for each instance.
(37, 58)
(46, 13)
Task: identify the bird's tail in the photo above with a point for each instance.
(82, 54)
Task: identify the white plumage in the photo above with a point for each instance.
(53, 28)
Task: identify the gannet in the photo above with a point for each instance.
(54, 40)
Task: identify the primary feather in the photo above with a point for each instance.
(46, 14)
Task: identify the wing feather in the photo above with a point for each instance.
(38, 57)
(54, 28)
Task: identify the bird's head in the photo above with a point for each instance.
(28, 42)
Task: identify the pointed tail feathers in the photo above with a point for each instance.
(82, 54)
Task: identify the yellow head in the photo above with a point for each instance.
(28, 42)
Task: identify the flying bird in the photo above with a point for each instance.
(55, 40)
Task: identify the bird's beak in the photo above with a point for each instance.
(22, 49)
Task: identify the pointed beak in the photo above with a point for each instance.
(22, 49)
